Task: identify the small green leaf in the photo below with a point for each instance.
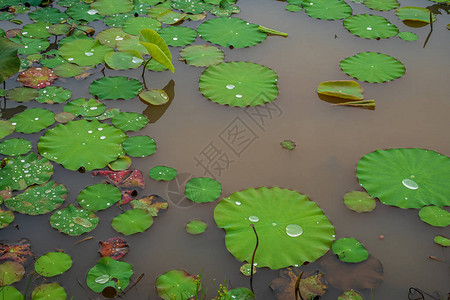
(203, 189)
(139, 146)
(157, 47)
(132, 221)
(359, 201)
(154, 97)
(196, 227)
(52, 264)
(99, 196)
(435, 216)
(14, 147)
(109, 272)
(176, 285)
(442, 240)
(350, 250)
(163, 173)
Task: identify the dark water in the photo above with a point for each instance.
(411, 112)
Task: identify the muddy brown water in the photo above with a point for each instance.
(411, 112)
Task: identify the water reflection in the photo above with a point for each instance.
(155, 112)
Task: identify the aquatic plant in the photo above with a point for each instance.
(74, 221)
(139, 145)
(116, 248)
(99, 196)
(14, 147)
(116, 87)
(52, 264)
(202, 55)
(370, 26)
(132, 221)
(49, 291)
(346, 89)
(350, 250)
(109, 272)
(10, 272)
(9, 61)
(203, 189)
(33, 120)
(196, 227)
(176, 285)
(359, 201)
(381, 5)
(434, 216)
(327, 9)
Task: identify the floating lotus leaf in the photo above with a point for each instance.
(129, 121)
(19, 252)
(86, 108)
(408, 36)
(118, 87)
(48, 14)
(6, 16)
(38, 200)
(129, 59)
(141, 8)
(135, 25)
(58, 29)
(33, 120)
(15, 147)
(68, 70)
(191, 6)
(31, 46)
(196, 226)
(435, 216)
(23, 171)
(109, 272)
(407, 178)
(196, 17)
(370, 26)
(225, 9)
(116, 248)
(22, 94)
(350, 295)
(203, 189)
(176, 285)
(170, 17)
(49, 291)
(155, 11)
(10, 293)
(132, 221)
(84, 52)
(359, 201)
(122, 163)
(293, 7)
(231, 32)
(154, 97)
(162, 173)
(178, 36)
(53, 94)
(9, 62)
(381, 5)
(92, 145)
(239, 84)
(6, 218)
(6, 128)
(327, 9)
(350, 250)
(131, 42)
(412, 13)
(287, 223)
(83, 12)
(151, 204)
(202, 55)
(139, 146)
(99, 196)
(108, 114)
(36, 30)
(157, 47)
(246, 270)
(74, 221)
(347, 89)
(441, 240)
(64, 117)
(111, 7)
(117, 20)
(10, 272)
(373, 67)
(109, 37)
(52, 264)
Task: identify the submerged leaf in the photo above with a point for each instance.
(49, 291)
(359, 201)
(17, 252)
(10, 272)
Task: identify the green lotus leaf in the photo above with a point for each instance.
(6, 218)
(412, 13)
(49, 291)
(288, 144)
(31, 46)
(239, 84)
(34, 57)
(129, 59)
(83, 12)
(59, 29)
(47, 14)
(225, 9)
(178, 36)
(23, 171)
(111, 7)
(109, 37)
(202, 55)
(109, 272)
(92, 145)
(370, 26)
(163, 173)
(139, 146)
(373, 67)
(287, 223)
(84, 52)
(381, 5)
(231, 32)
(327, 9)
(176, 285)
(293, 7)
(240, 293)
(406, 178)
(64, 117)
(155, 11)
(99, 196)
(53, 94)
(22, 94)
(408, 36)
(36, 30)
(203, 189)
(10, 272)
(4, 16)
(347, 89)
(154, 97)
(442, 240)
(9, 61)
(74, 37)
(129, 121)
(52, 264)
(86, 108)
(170, 17)
(157, 47)
(141, 8)
(134, 26)
(68, 70)
(155, 66)
(10, 293)
(350, 250)
(246, 270)
(6, 128)
(117, 20)
(196, 226)
(359, 201)
(152, 204)
(132, 221)
(74, 221)
(131, 42)
(351, 294)
(108, 114)
(196, 17)
(120, 164)
(38, 199)
(435, 216)
(14, 147)
(117, 87)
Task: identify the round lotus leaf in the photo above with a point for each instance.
(246, 270)
(163, 173)
(132, 221)
(129, 59)
(67, 70)
(135, 25)
(49, 291)
(15, 147)
(170, 17)
(53, 94)
(381, 5)
(52, 264)
(10, 293)
(83, 12)
(10, 272)
(53, 62)
(6, 128)
(191, 6)
(88, 144)
(239, 84)
(203, 189)
(117, 20)
(38, 199)
(202, 55)
(31, 46)
(287, 223)
(37, 78)
(108, 114)
(373, 67)
(111, 7)
(229, 32)
(6, 218)
(23, 171)
(64, 117)
(74, 221)
(84, 52)
(117, 87)
(99, 196)
(36, 30)
(412, 13)
(370, 26)
(441, 240)
(154, 96)
(4, 16)
(22, 94)
(86, 108)
(406, 178)
(408, 36)
(59, 29)
(350, 295)
(327, 9)
(347, 89)
(435, 216)
(359, 201)
(129, 121)
(240, 293)
(225, 10)
(109, 272)
(139, 146)
(293, 7)
(178, 36)
(350, 250)
(109, 37)
(131, 42)
(176, 285)
(48, 14)
(196, 227)
(120, 164)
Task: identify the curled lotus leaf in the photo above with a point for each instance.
(133, 26)
(442, 240)
(327, 9)
(99, 196)
(53, 94)
(6, 218)
(129, 121)
(139, 146)
(37, 77)
(196, 226)
(22, 94)
(176, 285)
(132, 221)
(131, 42)
(347, 89)
(33, 120)
(84, 52)
(10, 272)
(152, 204)
(157, 48)
(6, 128)
(435, 216)
(381, 5)
(85, 107)
(154, 97)
(92, 145)
(203, 189)
(18, 252)
(370, 26)
(112, 7)
(287, 223)
(416, 14)
(202, 55)
(178, 36)
(52, 264)
(49, 291)
(359, 201)
(74, 221)
(350, 250)
(118, 87)
(10, 293)
(116, 248)
(15, 147)
(162, 173)
(109, 272)
(121, 163)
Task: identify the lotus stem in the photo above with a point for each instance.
(297, 287)
(272, 31)
(253, 258)
(143, 72)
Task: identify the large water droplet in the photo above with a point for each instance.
(230, 86)
(294, 230)
(88, 53)
(102, 279)
(238, 202)
(92, 12)
(136, 60)
(410, 184)
(253, 218)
